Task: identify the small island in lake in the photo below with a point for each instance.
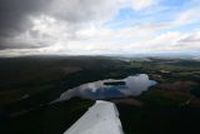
(115, 83)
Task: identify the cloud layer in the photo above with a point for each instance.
(98, 26)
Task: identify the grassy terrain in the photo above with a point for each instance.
(48, 119)
(28, 84)
(161, 120)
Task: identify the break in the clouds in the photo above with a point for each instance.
(98, 26)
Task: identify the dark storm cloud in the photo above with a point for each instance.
(78, 11)
(14, 19)
(10, 43)
(14, 13)
(15, 16)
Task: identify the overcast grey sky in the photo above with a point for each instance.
(98, 26)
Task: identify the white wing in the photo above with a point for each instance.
(101, 118)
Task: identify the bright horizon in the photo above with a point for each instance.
(99, 27)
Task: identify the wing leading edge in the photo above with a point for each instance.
(101, 118)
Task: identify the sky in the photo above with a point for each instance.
(99, 27)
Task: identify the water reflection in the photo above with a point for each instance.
(130, 86)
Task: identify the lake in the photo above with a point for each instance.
(110, 88)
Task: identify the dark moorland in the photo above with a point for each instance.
(29, 84)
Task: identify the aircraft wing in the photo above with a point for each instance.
(101, 118)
